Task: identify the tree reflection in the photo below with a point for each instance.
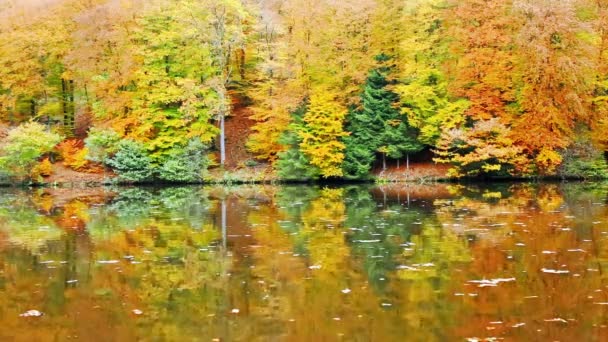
(306, 263)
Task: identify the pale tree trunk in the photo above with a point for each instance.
(221, 91)
(383, 161)
(222, 140)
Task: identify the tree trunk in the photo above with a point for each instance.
(383, 161)
(407, 162)
(67, 104)
(33, 107)
(222, 140)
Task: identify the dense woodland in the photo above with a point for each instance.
(334, 88)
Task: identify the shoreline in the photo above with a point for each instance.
(277, 181)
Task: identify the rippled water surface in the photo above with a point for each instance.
(300, 263)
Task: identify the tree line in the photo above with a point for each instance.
(491, 87)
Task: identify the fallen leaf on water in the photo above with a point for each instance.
(556, 320)
(546, 270)
(31, 313)
(491, 282)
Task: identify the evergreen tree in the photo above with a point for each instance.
(292, 164)
(378, 126)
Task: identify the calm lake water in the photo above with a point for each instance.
(298, 263)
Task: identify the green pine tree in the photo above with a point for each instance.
(378, 126)
(292, 164)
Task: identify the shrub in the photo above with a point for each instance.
(251, 163)
(101, 143)
(185, 165)
(583, 160)
(131, 162)
(73, 153)
(78, 161)
(67, 148)
(42, 169)
(24, 145)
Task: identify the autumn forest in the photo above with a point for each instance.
(185, 91)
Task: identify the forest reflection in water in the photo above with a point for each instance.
(386, 263)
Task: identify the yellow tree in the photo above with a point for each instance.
(322, 133)
(296, 57)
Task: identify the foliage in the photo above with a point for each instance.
(484, 149)
(74, 154)
(100, 143)
(131, 162)
(162, 73)
(292, 164)
(583, 160)
(555, 62)
(378, 126)
(43, 169)
(23, 146)
(321, 133)
(185, 164)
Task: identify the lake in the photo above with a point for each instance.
(306, 263)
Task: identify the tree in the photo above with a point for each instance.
(599, 120)
(423, 84)
(379, 126)
(292, 164)
(131, 162)
(187, 163)
(23, 146)
(556, 64)
(484, 73)
(322, 133)
(220, 25)
(484, 149)
(300, 57)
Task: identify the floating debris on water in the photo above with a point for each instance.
(491, 282)
(561, 320)
(546, 270)
(31, 313)
(137, 312)
(346, 291)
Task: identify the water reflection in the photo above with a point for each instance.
(424, 262)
